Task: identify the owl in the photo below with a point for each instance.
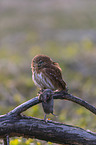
(46, 73)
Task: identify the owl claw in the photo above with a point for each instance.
(40, 91)
(40, 94)
(45, 95)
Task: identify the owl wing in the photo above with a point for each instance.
(56, 78)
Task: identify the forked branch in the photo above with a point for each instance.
(56, 95)
(14, 124)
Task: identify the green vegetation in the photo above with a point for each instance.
(78, 70)
(26, 32)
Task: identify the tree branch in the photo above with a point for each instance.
(14, 124)
(23, 107)
(70, 97)
(57, 95)
(29, 127)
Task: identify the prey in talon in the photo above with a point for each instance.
(46, 74)
(47, 102)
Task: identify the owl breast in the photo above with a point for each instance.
(42, 81)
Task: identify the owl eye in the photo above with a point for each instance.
(40, 63)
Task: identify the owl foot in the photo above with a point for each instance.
(40, 91)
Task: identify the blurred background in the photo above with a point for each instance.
(65, 30)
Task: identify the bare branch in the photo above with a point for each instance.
(23, 107)
(29, 127)
(56, 95)
(70, 97)
(13, 124)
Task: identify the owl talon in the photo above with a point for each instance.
(40, 91)
(40, 94)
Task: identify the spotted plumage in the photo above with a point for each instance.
(46, 74)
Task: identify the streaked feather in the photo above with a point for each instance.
(46, 74)
(42, 81)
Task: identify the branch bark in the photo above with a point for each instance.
(14, 124)
(51, 131)
(70, 97)
(57, 95)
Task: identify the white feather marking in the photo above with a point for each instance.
(42, 81)
(35, 77)
(50, 84)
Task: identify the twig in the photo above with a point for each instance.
(15, 124)
(57, 95)
(70, 97)
(23, 107)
